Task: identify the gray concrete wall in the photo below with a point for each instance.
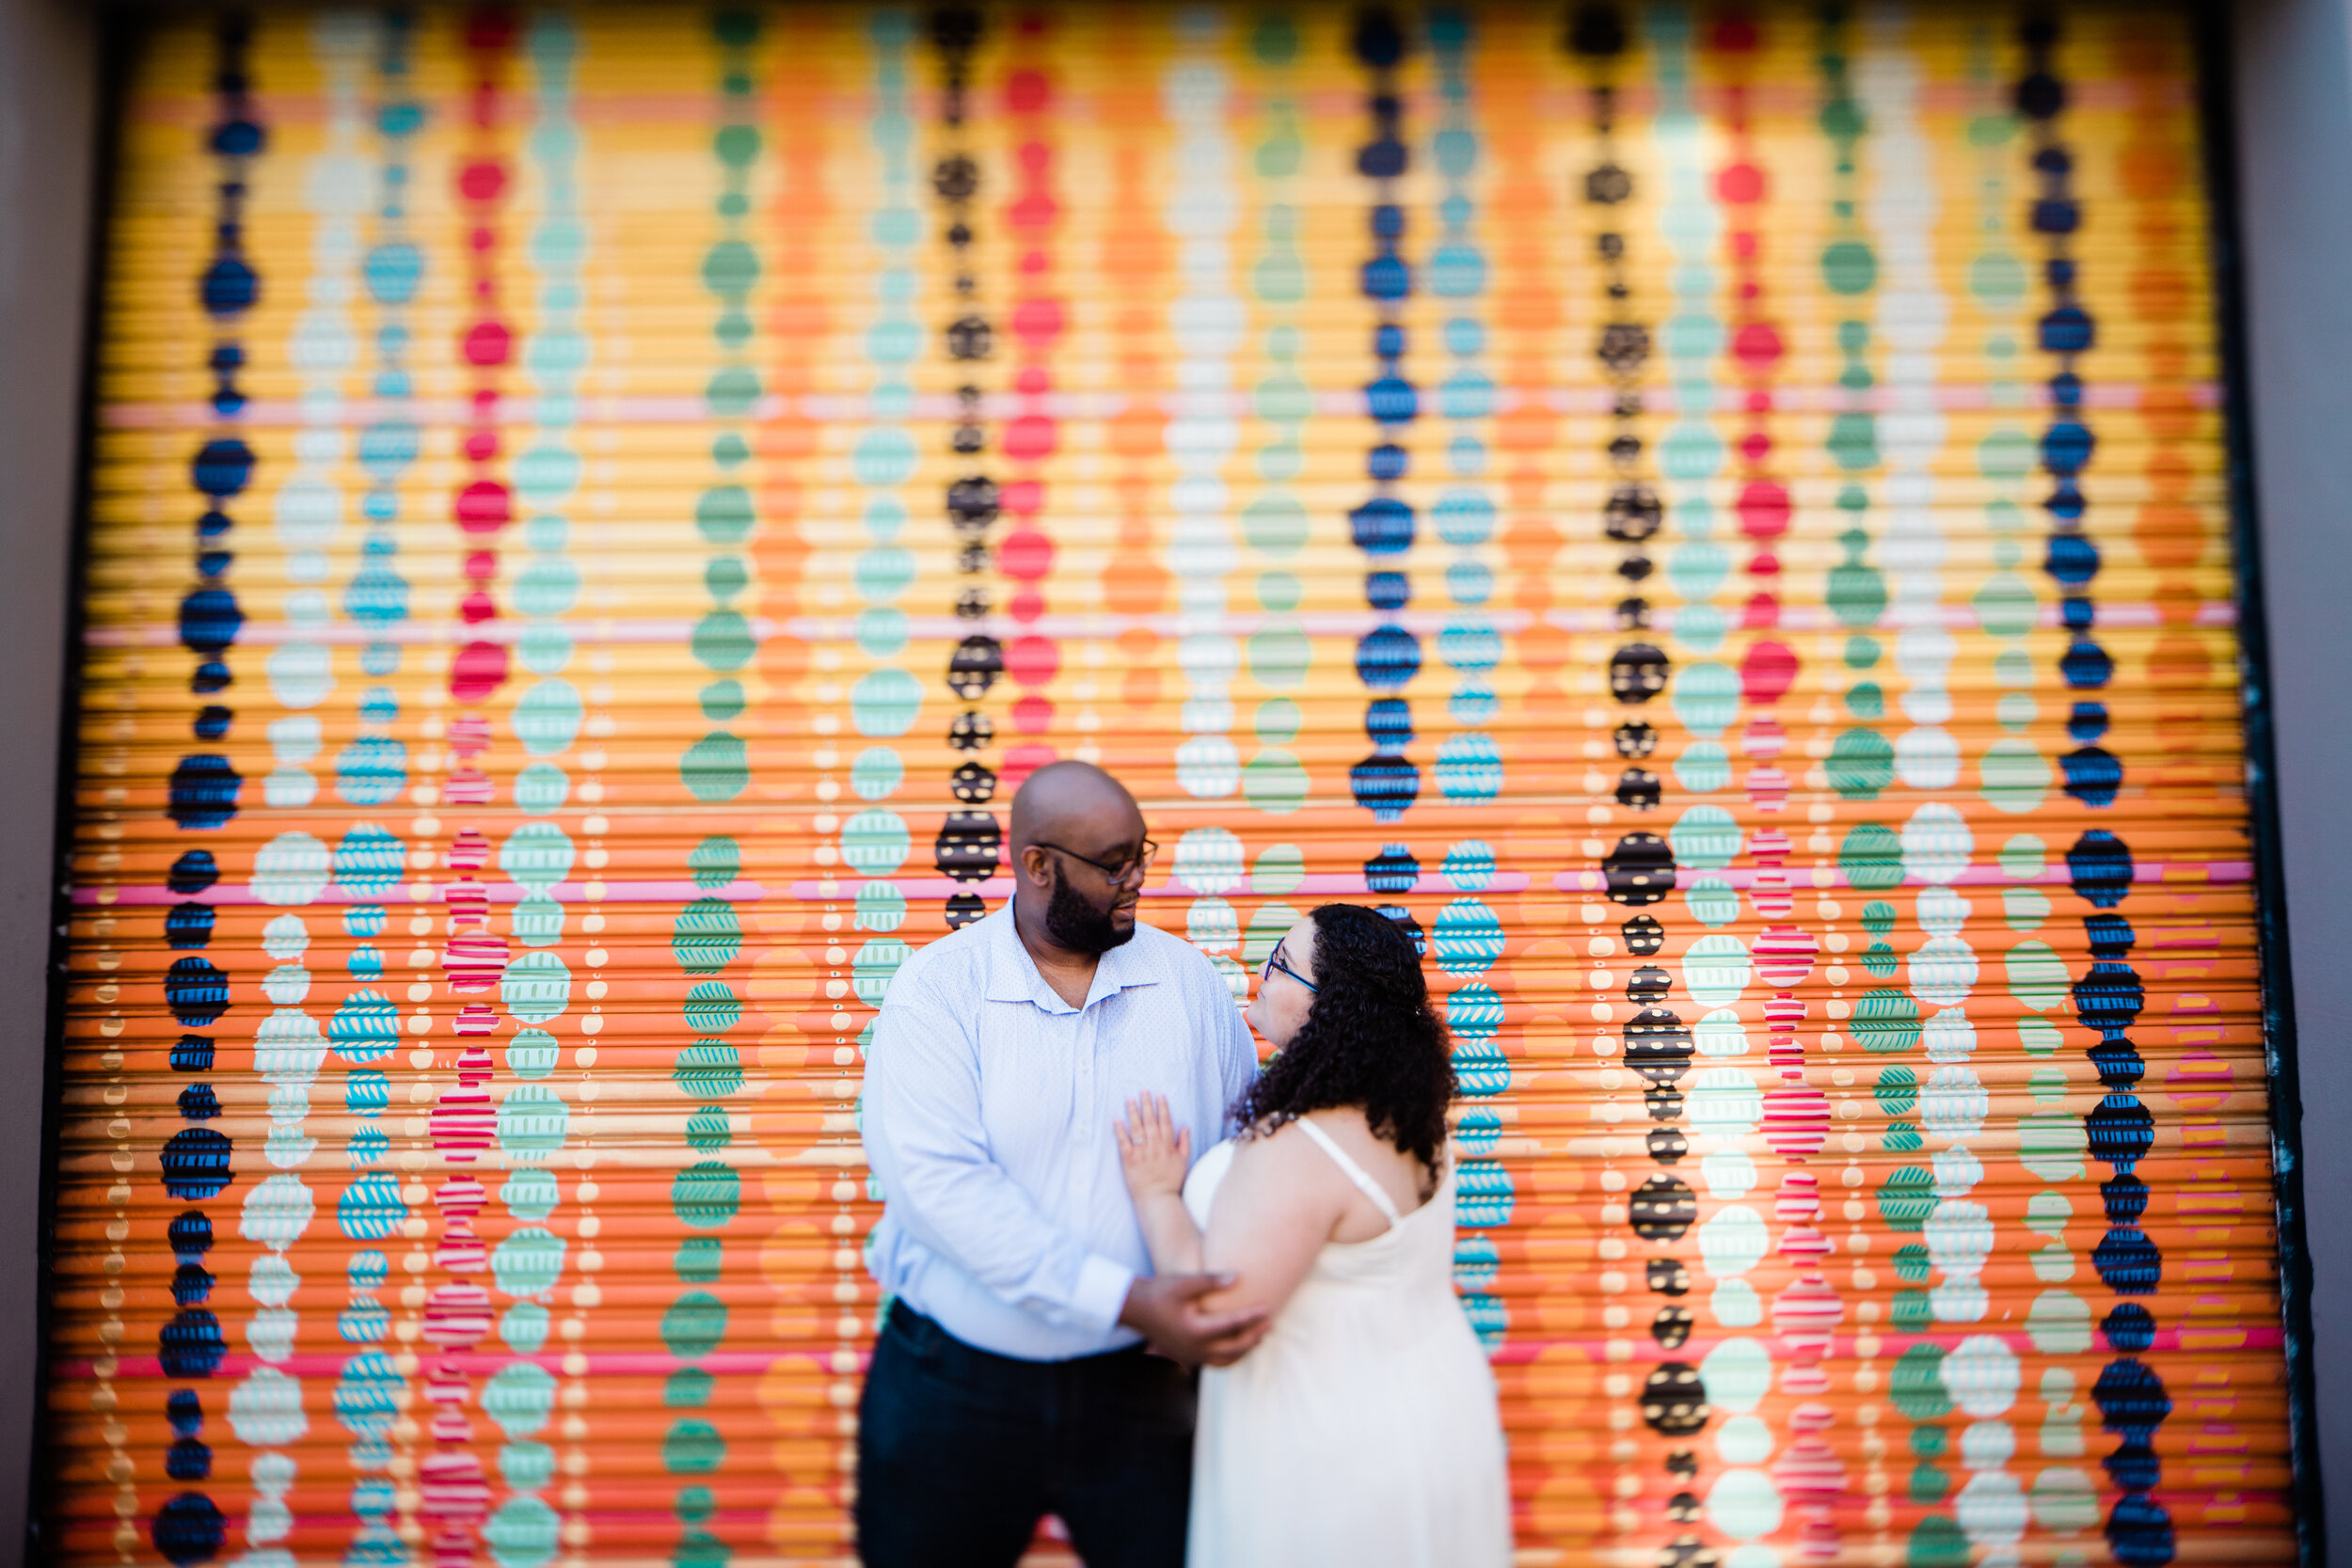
(48, 141)
(2292, 64)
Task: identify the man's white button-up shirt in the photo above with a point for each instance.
(988, 1110)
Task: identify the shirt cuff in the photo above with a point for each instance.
(1100, 1294)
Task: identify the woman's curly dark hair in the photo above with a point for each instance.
(1370, 1040)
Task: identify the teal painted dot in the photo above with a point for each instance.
(1284, 399)
(877, 773)
(884, 455)
(707, 1070)
(529, 1194)
(1467, 937)
(1691, 452)
(1280, 868)
(1917, 1386)
(536, 987)
(1275, 782)
(705, 1195)
(1711, 901)
(711, 1007)
(1706, 698)
(1696, 568)
(1701, 628)
(540, 788)
(699, 1259)
(524, 1327)
(528, 1261)
(723, 515)
(882, 631)
(688, 1388)
(1279, 591)
(1469, 767)
(1871, 856)
(519, 1397)
(885, 702)
(536, 856)
(532, 1119)
(526, 1467)
(708, 1129)
(1280, 276)
(531, 1054)
(2015, 777)
(692, 1447)
(1704, 767)
(1705, 838)
(1693, 337)
(1279, 657)
(1469, 864)
(707, 936)
(892, 342)
(883, 574)
(733, 393)
(695, 1323)
(2022, 857)
(1277, 721)
(716, 862)
(544, 475)
(544, 650)
(722, 700)
(2006, 454)
(724, 576)
(1849, 267)
(1997, 280)
(1276, 524)
(537, 922)
(722, 640)
(729, 450)
(2006, 607)
(871, 969)
(1737, 1374)
(1861, 763)
(716, 768)
(1853, 441)
(880, 907)
(875, 842)
(1885, 1021)
(731, 267)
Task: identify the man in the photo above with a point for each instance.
(1012, 1378)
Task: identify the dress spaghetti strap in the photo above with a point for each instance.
(1354, 1172)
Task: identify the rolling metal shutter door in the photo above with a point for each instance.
(1716, 516)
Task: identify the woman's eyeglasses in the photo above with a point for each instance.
(1137, 864)
(1274, 965)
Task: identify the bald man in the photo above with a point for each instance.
(1011, 1379)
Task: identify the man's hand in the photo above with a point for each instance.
(1166, 1310)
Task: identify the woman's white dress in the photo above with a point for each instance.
(1362, 1430)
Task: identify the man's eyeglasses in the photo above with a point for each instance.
(1274, 965)
(1137, 864)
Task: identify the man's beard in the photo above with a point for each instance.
(1078, 924)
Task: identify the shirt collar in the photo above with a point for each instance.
(1013, 975)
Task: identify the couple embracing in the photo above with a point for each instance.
(1069, 1232)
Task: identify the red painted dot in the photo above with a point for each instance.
(1741, 184)
(482, 445)
(1027, 607)
(1023, 498)
(1033, 380)
(1034, 211)
(1028, 91)
(1025, 555)
(1033, 714)
(487, 344)
(478, 606)
(1033, 660)
(1755, 446)
(1029, 437)
(482, 180)
(1767, 672)
(1038, 322)
(481, 565)
(479, 670)
(1035, 157)
(484, 506)
(1764, 509)
(1757, 345)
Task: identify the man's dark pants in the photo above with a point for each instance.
(960, 1452)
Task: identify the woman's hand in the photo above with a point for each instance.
(1154, 1153)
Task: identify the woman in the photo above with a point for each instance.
(1363, 1430)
